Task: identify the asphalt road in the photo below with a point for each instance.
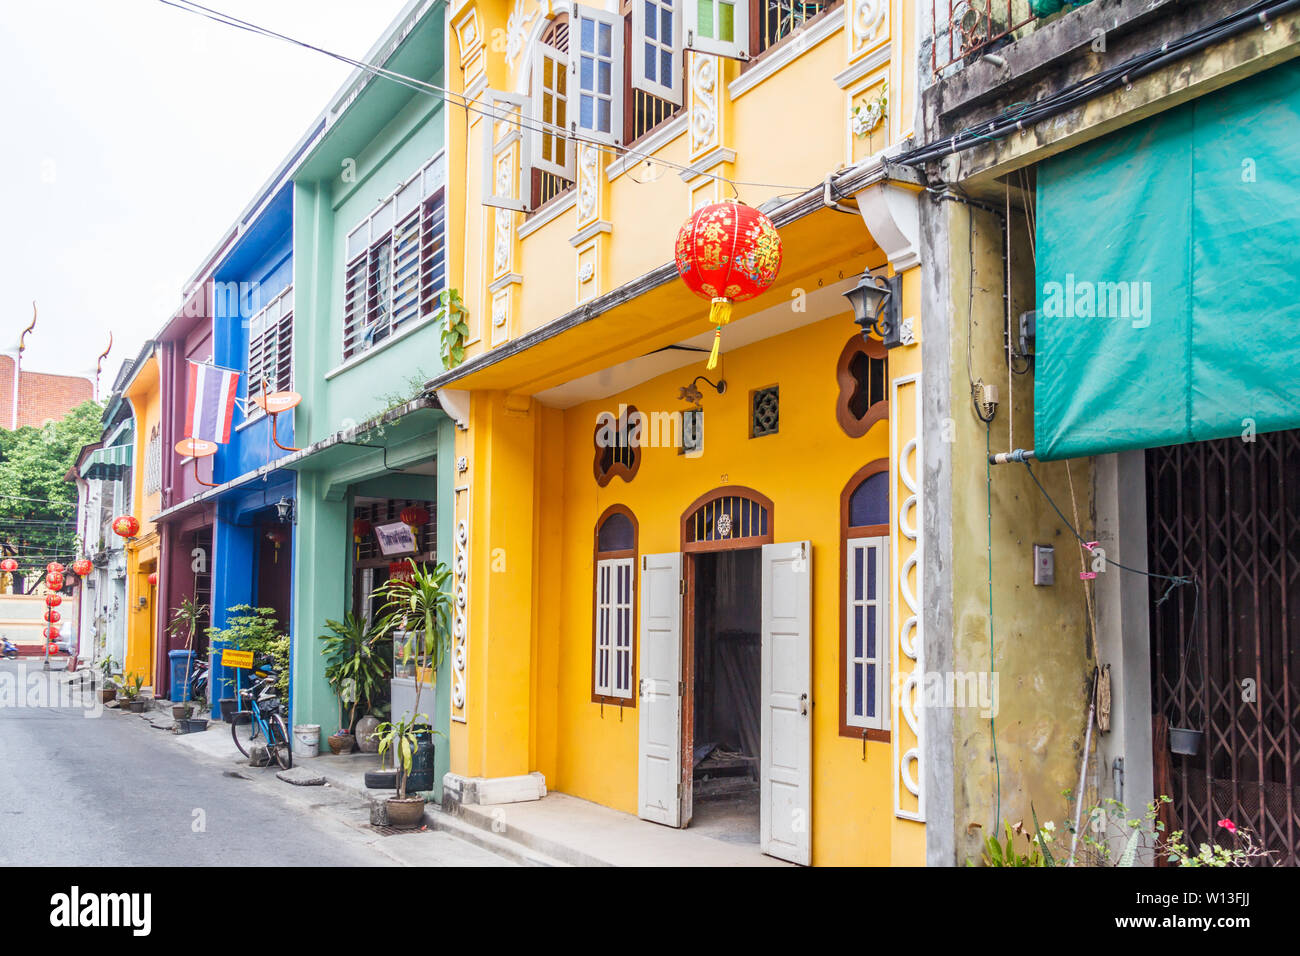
(106, 790)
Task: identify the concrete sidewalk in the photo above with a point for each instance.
(581, 833)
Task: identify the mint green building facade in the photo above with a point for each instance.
(370, 261)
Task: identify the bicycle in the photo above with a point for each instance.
(262, 718)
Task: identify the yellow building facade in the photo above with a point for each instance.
(145, 395)
(677, 587)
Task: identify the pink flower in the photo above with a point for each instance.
(1228, 825)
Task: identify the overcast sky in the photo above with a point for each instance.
(133, 135)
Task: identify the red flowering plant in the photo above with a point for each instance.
(1245, 851)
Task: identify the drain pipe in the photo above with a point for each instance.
(829, 199)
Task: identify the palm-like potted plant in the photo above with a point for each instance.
(186, 618)
(131, 685)
(417, 610)
(355, 668)
(107, 667)
(402, 738)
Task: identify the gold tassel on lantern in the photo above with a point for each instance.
(719, 315)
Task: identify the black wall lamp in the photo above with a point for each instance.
(876, 307)
(285, 512)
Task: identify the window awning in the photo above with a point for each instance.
(107, 464)
(1168, 299)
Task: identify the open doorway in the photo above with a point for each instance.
(724, 722)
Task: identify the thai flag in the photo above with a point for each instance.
(211, 402)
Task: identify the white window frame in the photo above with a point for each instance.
(504, 114)
(881, 719)
(738, 49)
(581, 15)
(551, 131)
(608, 609)
(672, 91)
(381, 223)
(153, 462)
(258, 330)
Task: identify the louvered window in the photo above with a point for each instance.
(270, 349)
(397, 262)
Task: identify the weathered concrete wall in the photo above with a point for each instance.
(1040, 660)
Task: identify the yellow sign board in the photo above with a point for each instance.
(241, 660)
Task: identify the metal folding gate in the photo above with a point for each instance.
(1226, 656)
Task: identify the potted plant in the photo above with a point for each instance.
(186, 618)
(108, 691)
(417, 610)
(131, 685)
(355, 668)
(255, 629)
(402, 737)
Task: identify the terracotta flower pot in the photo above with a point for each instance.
(138, 706)
(405, 811)
(106, 694)
(180, 711)
(341, 743)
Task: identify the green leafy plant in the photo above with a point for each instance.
(420, 608)
(999, 854)
(108, 667)
(402, 739)
(1245, 851)
(131, 685)
(356, 664)
(186, 618)
(256, 629)
(451, 315)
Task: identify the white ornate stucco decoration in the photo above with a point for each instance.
(588, 182)
(504, 219)
(867, 117)
(893, 217)
(868, 17)
(459, 626)
(517, 31)
(909, 667)
(704, 102)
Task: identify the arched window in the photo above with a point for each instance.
(613, 631)
(864, 603)
(862, 373)
(727, 518)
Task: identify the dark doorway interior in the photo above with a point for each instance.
(727, 670)
(275, 567)
(1225, 655)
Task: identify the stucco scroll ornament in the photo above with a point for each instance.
(868, 15)
(704, 112)
(460, 630)
(517, 31)
(504, 219)
(588, 168)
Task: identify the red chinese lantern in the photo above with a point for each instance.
(414, 515)
(153, 578)
(53, 600)
(51, 634)
(126, 526)
(277, 537)
(400, 571)
(54, 580)
(53, 616)
(54, 568)
(727, 252)
(82, 567)
(9, 564)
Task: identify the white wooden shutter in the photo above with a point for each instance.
(866, 637)
(596, 74)
(505, 173)
(657, 48)
(785, 823)
(551, 152)
(659, 763)
(612, 673)
(718, 26)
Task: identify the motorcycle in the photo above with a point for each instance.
(8, 648)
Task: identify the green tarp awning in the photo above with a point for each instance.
(1168, 271)
(107, 464)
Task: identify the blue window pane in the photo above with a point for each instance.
(857, 690)
(666, 26)
(857, 631)
(588, 36)
(586, 112)
(603, 113)
(871, 574)
(605, 73)
(666, 67)
(651, 21)
(587, 75)
(871, 632)
(857, 574)
(869, 503)
(606, 45)
(871, 690)
(616, 534)
(650, 61)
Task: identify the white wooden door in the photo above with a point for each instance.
(660, 750)
(785, 825)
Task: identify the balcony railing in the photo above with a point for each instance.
(965, 29)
